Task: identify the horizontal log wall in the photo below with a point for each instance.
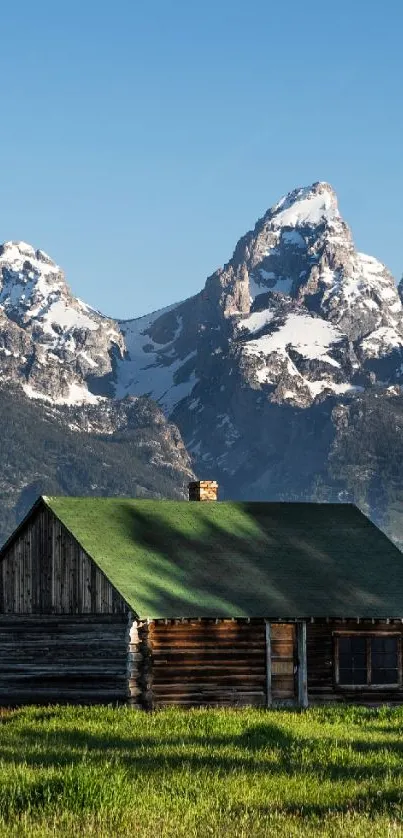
(63, 659)
(320, 661)
(196, 663)
(46, 572)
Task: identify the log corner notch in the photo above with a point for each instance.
(133, 661)
(145, 674)
(302, 665)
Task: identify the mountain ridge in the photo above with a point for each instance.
(300, 250)
(257, 369)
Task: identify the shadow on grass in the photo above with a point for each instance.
(264, 749)
(387, 802)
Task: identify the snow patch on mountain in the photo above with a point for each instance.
(152, 367)
(77, 394)
(293, 237)
(298, 353)
(310, 336)
(381, 342)
(256, 321)
(305, 206)
(268, 280)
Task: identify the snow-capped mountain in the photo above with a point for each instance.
(297, 310)
(304, 250)
(50, 341)
(301, 311)
(259, 370)
(63, 433)
(296, 318)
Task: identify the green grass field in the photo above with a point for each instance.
(117, 772)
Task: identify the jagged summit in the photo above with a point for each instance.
(297, 309)
(14, 250)
(27, 278)
(274, 369)
(306, 205)
(50, 342)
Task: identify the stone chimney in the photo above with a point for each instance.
(203, 490)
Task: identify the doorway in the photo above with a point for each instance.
(283, 662)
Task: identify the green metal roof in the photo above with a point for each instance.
(217, 559)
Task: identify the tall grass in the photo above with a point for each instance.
(117, 772)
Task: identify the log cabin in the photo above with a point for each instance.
(154, 603)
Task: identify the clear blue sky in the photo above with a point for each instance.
(139, 141)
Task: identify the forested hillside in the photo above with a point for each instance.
(42, 451)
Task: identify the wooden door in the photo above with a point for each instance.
(283, 661)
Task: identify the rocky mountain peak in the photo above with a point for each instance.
(297, 312)
(15, 250)
(302, 249)
(51, 342)
(302, 231)
(27, 279)
(19, 255)
(306, 205)
(267, 371)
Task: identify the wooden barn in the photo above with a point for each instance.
(156, 602)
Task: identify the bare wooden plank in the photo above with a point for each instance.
(45, 571)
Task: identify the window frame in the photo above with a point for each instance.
(369, 635)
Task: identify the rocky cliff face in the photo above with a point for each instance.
(262, 371)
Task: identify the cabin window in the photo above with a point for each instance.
(363, 660)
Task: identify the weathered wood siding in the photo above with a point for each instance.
(321, 669)
(46, 572)
(63, 658)
(205, 663)
(64, 629)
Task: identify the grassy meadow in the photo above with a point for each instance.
(117, 772)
